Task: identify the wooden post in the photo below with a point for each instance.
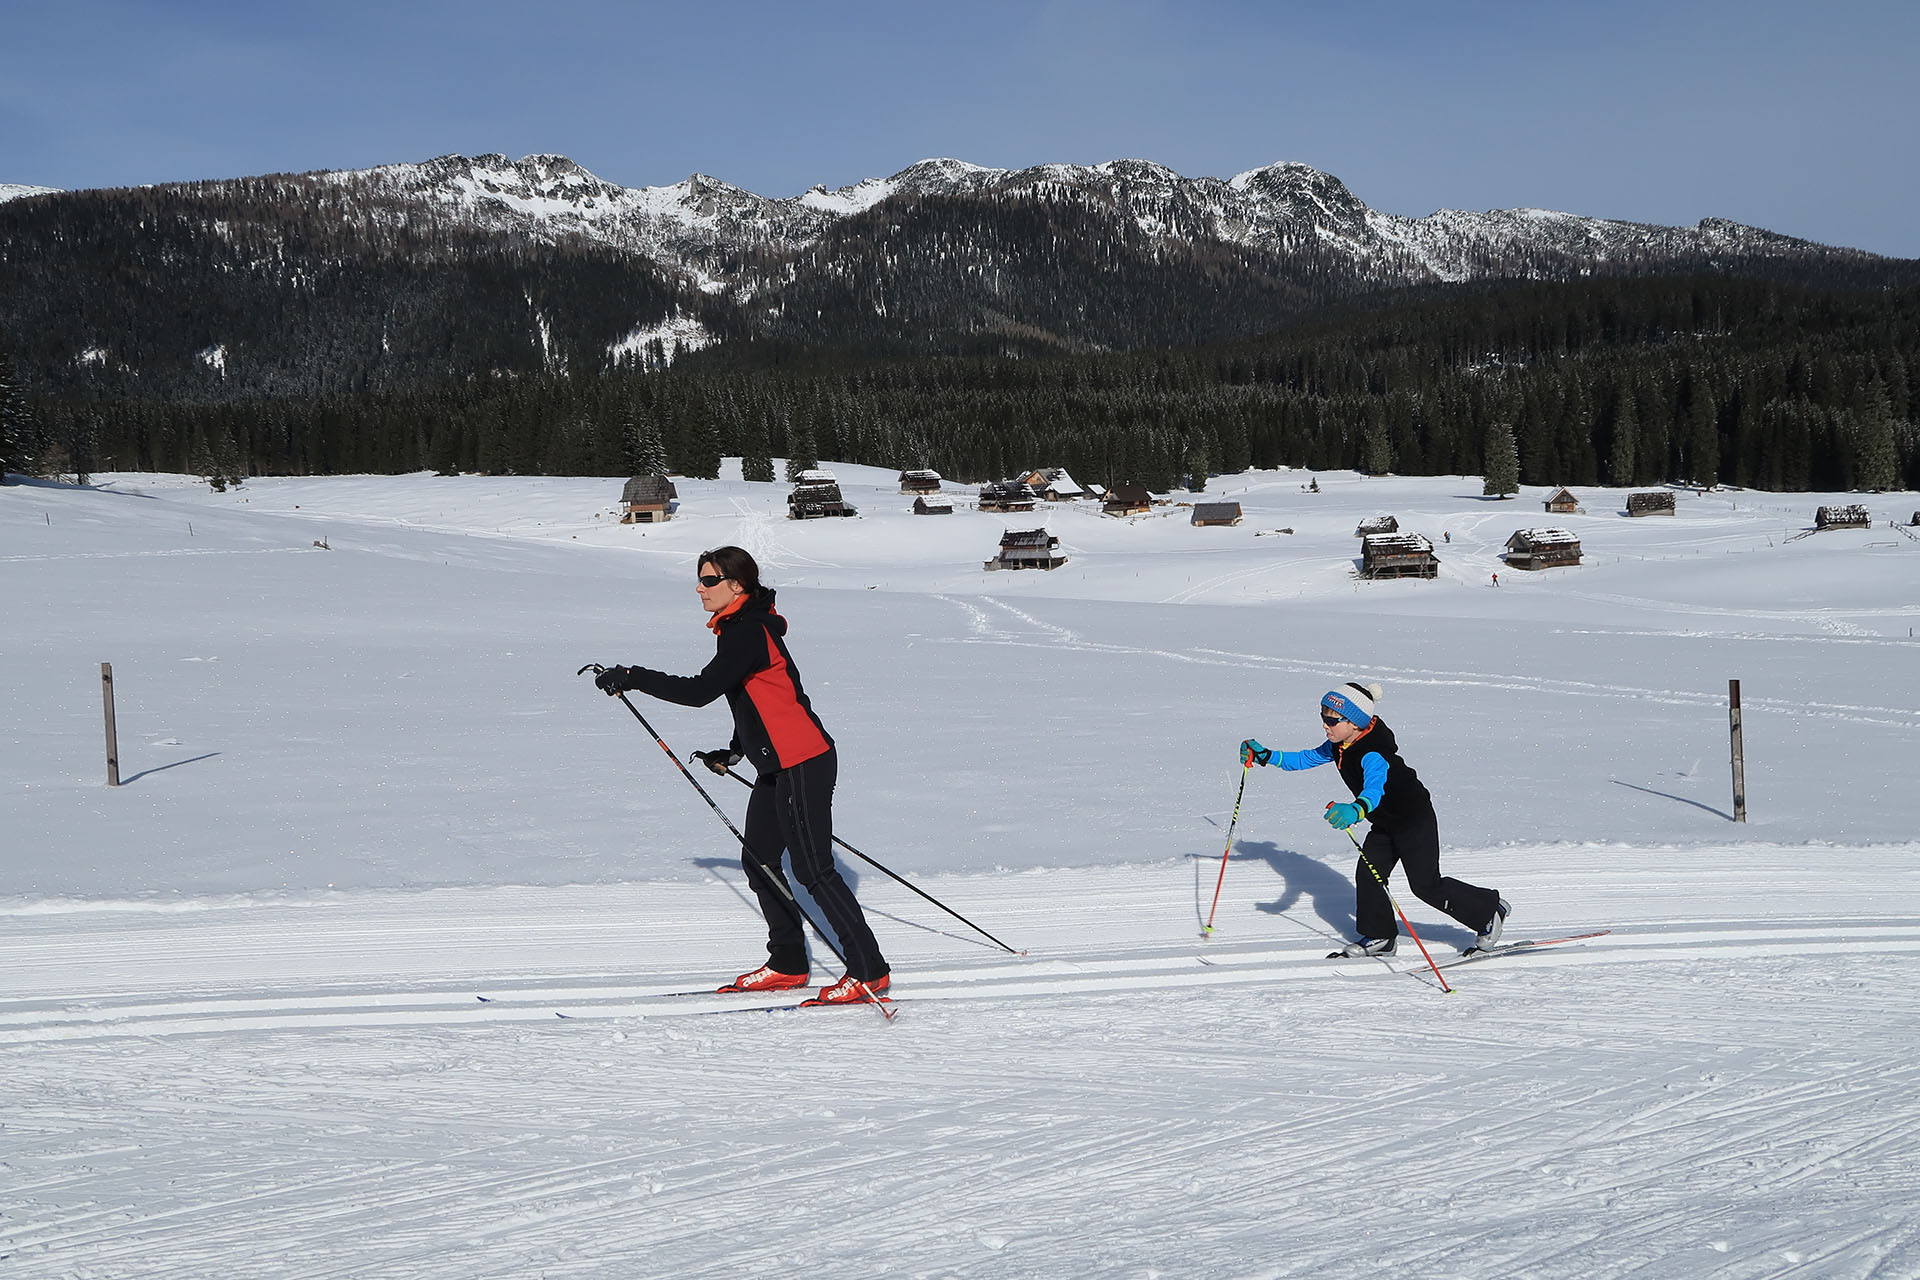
(1739, 753)
(113, 736)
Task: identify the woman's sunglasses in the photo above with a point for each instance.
(712, 579)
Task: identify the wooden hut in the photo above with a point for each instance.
(1854, 517)
(816, 475)
(1027, 549)
(1376, 524)
(1216, 513)
(919, 482)
(1656, 502)
(1060, 487)
(1007, 495)
(647, 500)
(1542, 549)
(1127, 500)
(812, 501)
(1563, 503)
(1398, 555)
(932, 505)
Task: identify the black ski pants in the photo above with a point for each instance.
(1416, 848)
(792, 810)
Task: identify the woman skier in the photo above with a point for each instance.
(1389, 795)
(775, 728)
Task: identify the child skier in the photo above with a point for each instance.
(1405, 829)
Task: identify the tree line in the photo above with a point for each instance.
(1626, 382)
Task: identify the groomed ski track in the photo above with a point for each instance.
(1699, 1095)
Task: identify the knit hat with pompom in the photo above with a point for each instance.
(1353, 702)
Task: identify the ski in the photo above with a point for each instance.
(1508, 948)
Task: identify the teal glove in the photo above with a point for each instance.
(1251, 752)
(1343, 816)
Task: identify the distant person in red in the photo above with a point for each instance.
(775, 729)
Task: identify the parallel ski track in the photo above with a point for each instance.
(1162, 969)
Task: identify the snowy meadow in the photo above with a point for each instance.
(374, 964)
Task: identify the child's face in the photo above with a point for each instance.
(1339, 732)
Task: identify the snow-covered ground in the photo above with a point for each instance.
(242, 1030)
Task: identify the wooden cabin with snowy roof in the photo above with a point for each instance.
(647, 500)
(1542, 549)
(1853, 517)
(919, 482)
(1563, 503)
(1007, 495)
(1376, 524)
(932, 504)
(1027, 549)
(1398, 555)
(1127, 500)
(1060, 486)
(811, 501)
(1655, 502)
(1216, 513)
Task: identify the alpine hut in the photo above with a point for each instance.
(647, 500)
(1059, 486)
(1542, 549)
(1127, 500)
(1007, 495)
(1376, 524)
(1398, 555)
(1655, 502)
(919, 482)
(1216, 513)
(1027, 549)
(1854, 517)
(1563, 503)
(932, 504)
(812, 500)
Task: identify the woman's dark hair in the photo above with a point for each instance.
(736, 563)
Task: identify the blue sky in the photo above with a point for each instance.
(1792, 116)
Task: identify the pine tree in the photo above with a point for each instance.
(18, 439)
(756, 461)
(1502, 462)
(800, 449)
(1626, 431)
(646, 454)
(1878, 454)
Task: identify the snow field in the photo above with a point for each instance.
(242, 1026)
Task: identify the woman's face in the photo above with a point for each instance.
(721, 594)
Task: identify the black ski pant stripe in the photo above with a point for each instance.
(791, 810)
(1417, 849)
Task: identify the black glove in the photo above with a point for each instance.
(615, 680)
(718, 761)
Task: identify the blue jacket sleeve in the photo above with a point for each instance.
(1373, 769)
(1322, 754)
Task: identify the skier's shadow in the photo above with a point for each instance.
(1327, 892)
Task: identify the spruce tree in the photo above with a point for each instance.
(1626, 431)
(756, 460)
(18, 442)
(646, 454)
(800, 449)
(1502, 462)
(1877, 453)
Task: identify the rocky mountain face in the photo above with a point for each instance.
(461, 266)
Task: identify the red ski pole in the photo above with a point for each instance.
(1403, 915)
(1246, 767)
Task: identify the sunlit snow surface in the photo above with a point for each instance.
(241, 1029)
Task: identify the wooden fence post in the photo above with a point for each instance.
(1739, 753)
(113, 735)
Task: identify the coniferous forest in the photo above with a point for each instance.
(1624, 381)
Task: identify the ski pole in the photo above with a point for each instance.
(753, 858)
(903, 880)
(1365, 861)
(1246, 767)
